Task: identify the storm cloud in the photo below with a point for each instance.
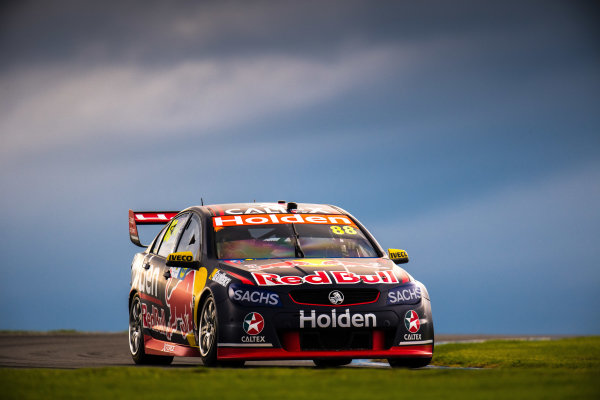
(464, 132)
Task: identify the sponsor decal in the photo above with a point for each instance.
(271, 208)
(411, 321)
(379, 277)
(220, 277)
(153, 320)
(186, 256)
(406, 294)
(324, 277)
(336, 297)
(335, 320)
(236, 220)
(260, 342)
(253, 339)
(169, 348)
(253, 297)
(180, 304)
(326, 263)
(171, 231)
(412, 336)
(180, 273)
(146, 280)
(133, 232)
(398, 256)
(153, 218)
(198, 285)
(253, 323)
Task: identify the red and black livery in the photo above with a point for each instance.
(262, 281)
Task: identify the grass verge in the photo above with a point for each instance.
(546, 370)
(572, 354)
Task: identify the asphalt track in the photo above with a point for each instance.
(84, 350)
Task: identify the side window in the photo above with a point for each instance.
(157, 240)
(191, 238)
(171, 235)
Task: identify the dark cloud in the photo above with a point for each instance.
(165, 32)
(409, 114)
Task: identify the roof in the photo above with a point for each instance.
(270, 208)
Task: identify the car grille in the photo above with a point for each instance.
(336, 340)
(321, 296)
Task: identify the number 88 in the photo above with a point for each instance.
(347, 229)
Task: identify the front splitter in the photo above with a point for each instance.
(257, 353)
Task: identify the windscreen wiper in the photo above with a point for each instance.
(299, 252)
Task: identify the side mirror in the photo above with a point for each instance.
(398, 256)
(182, 259)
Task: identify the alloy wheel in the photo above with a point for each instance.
(135, 326)
(207, 329)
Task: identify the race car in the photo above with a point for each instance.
(231, 283)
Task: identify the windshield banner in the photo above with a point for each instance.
(267, 219)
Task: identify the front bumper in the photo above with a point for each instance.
(378, 332)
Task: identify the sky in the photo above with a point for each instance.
(465, 132)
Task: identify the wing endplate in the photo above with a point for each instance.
(146, 218)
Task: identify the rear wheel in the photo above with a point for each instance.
(136, 338)
(207, 332)
(409, 362)
(331, 362)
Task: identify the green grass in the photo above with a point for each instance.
(573, 353)
(564, 369)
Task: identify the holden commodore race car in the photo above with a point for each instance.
(272, 281)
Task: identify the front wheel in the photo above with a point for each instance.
(409, 362)
(136, 338)
(207, 332)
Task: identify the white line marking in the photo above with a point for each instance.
(527, 339)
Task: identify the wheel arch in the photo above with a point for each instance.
(199, 303)
(203, 295)
(132, 294)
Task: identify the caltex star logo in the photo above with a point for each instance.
(254, 323)
(411, 321)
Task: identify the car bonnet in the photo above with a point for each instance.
(312, 271)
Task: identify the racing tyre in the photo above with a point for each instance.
(207, 332)
(409, 362)
(332, 362)
(136, 338)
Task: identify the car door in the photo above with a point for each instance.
(163, 275)
(147, 282)
(179, 295)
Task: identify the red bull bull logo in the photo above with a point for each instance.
(178, 296)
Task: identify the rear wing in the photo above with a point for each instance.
(147, 218)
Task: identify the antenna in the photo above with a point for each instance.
(292, 207)
(201, 201)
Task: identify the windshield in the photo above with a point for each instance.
(243, 238)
